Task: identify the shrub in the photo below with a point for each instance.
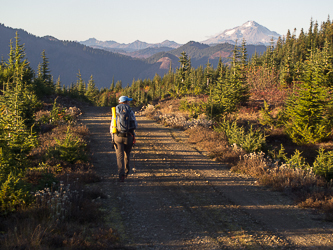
(227, 97)
(71, 149)
(13, 193)
(56, 116)
(323, 164)
(251, 140)
(268, 119)
(254, 164)
(195, 109)
(285, 177)
(58, 202)
(295, 175)
(58, 113)
(296, 161)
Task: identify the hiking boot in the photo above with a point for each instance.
(121, 178)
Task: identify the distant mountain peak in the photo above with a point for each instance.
(130, 47)
(251, 31)
(250, 23)
(93, 39)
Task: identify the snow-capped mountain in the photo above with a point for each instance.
(251, 31)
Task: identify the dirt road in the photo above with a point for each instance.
(177, 198)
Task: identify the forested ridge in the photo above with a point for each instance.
(288, 88)
(66, 58)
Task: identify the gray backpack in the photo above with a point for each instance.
(125, 123)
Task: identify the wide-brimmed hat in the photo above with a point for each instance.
(124, 99)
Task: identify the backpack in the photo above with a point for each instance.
(125, 123)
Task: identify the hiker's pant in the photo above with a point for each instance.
(123, 147)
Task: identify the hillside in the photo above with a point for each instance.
(201, 53)
(66, 58)
(148, 52)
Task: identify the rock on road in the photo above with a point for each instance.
(178, 198)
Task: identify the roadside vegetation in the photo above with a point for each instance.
(272, 113)
(45, 202)
(269, 116)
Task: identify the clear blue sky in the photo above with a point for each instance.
(154, 21)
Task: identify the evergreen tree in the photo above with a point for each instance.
(268, 58)
(184, 65)
(310, 36)
(208, 74)
(104, 100)
(237, 79)
(17, 93)
(182, 72)
(227, 95)
(17, 107)
(17, 66)
(46, 76)
(324, 65)
(315, 39)
(43, 84)
(157, 81)
(308, 111)
(301, 44)
(287, 75)
(80, 85)
(243, 62)
(112, 84)
(218, 69)
(92, 91)
(119, 86)
(254, 59)
(58, 90)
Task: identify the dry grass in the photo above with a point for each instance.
(213, 143)
(249, 114)
(169, 106)
(59, 236)
(308, 189)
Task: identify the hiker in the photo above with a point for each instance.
(124, 139)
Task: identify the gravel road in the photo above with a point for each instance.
(177, 198)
